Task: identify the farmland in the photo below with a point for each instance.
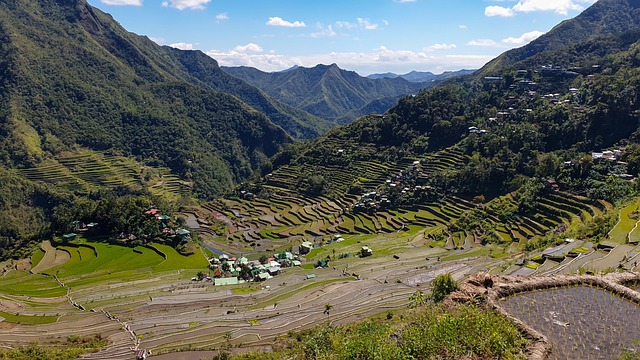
(144, 296)
(581, 321)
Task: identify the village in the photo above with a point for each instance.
(230, 270)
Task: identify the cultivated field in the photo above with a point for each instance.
(144, 297)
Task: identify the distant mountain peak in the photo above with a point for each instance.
(420, 76)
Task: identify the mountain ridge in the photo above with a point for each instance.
(328, 91)
(74, 77)
(421, 76)
(510, 115)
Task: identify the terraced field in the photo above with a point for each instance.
(88, 170)
(144, 297)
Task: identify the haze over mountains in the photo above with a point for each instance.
(420, 76)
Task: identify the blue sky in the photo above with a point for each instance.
(366, 36)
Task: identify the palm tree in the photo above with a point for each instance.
(327, 308)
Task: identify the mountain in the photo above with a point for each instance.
(327, 91)
(204, 71)
(602, 18)
(70, 76)
(520, 116)
(387, 75)
(419, 76)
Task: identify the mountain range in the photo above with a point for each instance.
(573, 90)
(71, 76)
(73, 79)
(420, 76)
(334, 94)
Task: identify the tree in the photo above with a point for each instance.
(327, 307)
(443, 285)
(200, 275)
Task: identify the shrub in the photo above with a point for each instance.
(443, 285)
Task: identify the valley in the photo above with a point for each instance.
(145, 297)
(156, 204)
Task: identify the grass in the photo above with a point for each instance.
(37, 256)
(28, 319)
(33, 285)
(244, 290)
(427, 333)
(625, 224)
(114, 263)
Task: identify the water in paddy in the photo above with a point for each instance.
(581, 322)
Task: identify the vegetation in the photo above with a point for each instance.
(430, 333)
(330, 92)
(127, 95)
(442, 286)
(72, 348)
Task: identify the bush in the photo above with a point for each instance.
(443, 285)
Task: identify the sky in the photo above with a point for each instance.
(366, 36)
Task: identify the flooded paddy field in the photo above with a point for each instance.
(581, 322)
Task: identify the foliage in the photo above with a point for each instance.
(417, 299)
(429, 333)
(443, 285)
(69, 84)
(74, 347)
(328, 91)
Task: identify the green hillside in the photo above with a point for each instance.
(517, 123)
(605, 17)
(72, 76)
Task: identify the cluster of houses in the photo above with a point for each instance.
(610, 155)
(229, 270)
(167, 230)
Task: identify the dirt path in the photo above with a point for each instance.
(52, 257)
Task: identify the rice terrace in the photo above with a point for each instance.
(149, 297)
(160, 199)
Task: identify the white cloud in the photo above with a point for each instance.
(483, 42)
(381, 59)
(366, 23)
(498, 11)
(222, 16)
(439, 47)
(507, 42)
(122, 2)
(278, 21)
(186, 4)
(561, 7)
(158, 40)
(523, 39)
(182, 46)
(346, 25)
(324, 32)
(463, 27)
(557, 6)
(250, 48)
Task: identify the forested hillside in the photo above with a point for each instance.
(329, 92)
(526, 120)
(73, 80)
(71, 76)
